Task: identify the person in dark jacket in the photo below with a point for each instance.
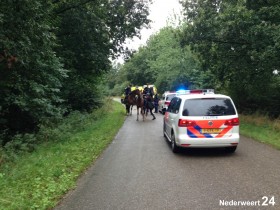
(127, 90)
(156, 100)
(151, 91)
(149, 105)
(146, 90)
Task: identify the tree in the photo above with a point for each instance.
(164, 63)
(174, 67)
(30, 71)
(53, 55)
(89, 35)
(238, 41)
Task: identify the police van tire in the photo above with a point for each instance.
(230, 149)
(164, 135)
(174, 147)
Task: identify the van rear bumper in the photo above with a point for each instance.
(185, 141)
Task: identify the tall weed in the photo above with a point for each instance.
(261, 120)
(261, 128)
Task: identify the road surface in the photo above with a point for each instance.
(139, 171)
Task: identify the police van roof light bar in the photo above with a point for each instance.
(195, 91)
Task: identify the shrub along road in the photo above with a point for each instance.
(139, 171)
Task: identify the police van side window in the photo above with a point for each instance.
(171, 105)
(177, 106)
(174, 105)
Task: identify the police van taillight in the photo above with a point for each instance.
(167, 103)
(232, 122)
(186, 123)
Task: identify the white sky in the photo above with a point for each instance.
(160, 12)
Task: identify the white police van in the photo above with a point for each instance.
(201, 119)
(165, 100)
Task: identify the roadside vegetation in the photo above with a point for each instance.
(39, 179)
(261, 128)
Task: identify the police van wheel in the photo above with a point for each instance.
(164, 135)
(230, 149)
(174, 147)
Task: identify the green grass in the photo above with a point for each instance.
(261, 128)
(39, 179)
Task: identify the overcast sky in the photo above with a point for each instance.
(160, 12)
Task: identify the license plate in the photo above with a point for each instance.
(211, 130)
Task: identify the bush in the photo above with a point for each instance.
(51, 130)
(19, 144)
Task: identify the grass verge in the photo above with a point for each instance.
(39, 179)
(261, 128)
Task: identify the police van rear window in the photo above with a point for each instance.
(208, 107)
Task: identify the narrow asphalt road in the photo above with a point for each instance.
(139, 171)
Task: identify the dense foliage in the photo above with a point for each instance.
(239, 42)
(53, 55)
(163, 62)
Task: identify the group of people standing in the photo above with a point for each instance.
(150, 99)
